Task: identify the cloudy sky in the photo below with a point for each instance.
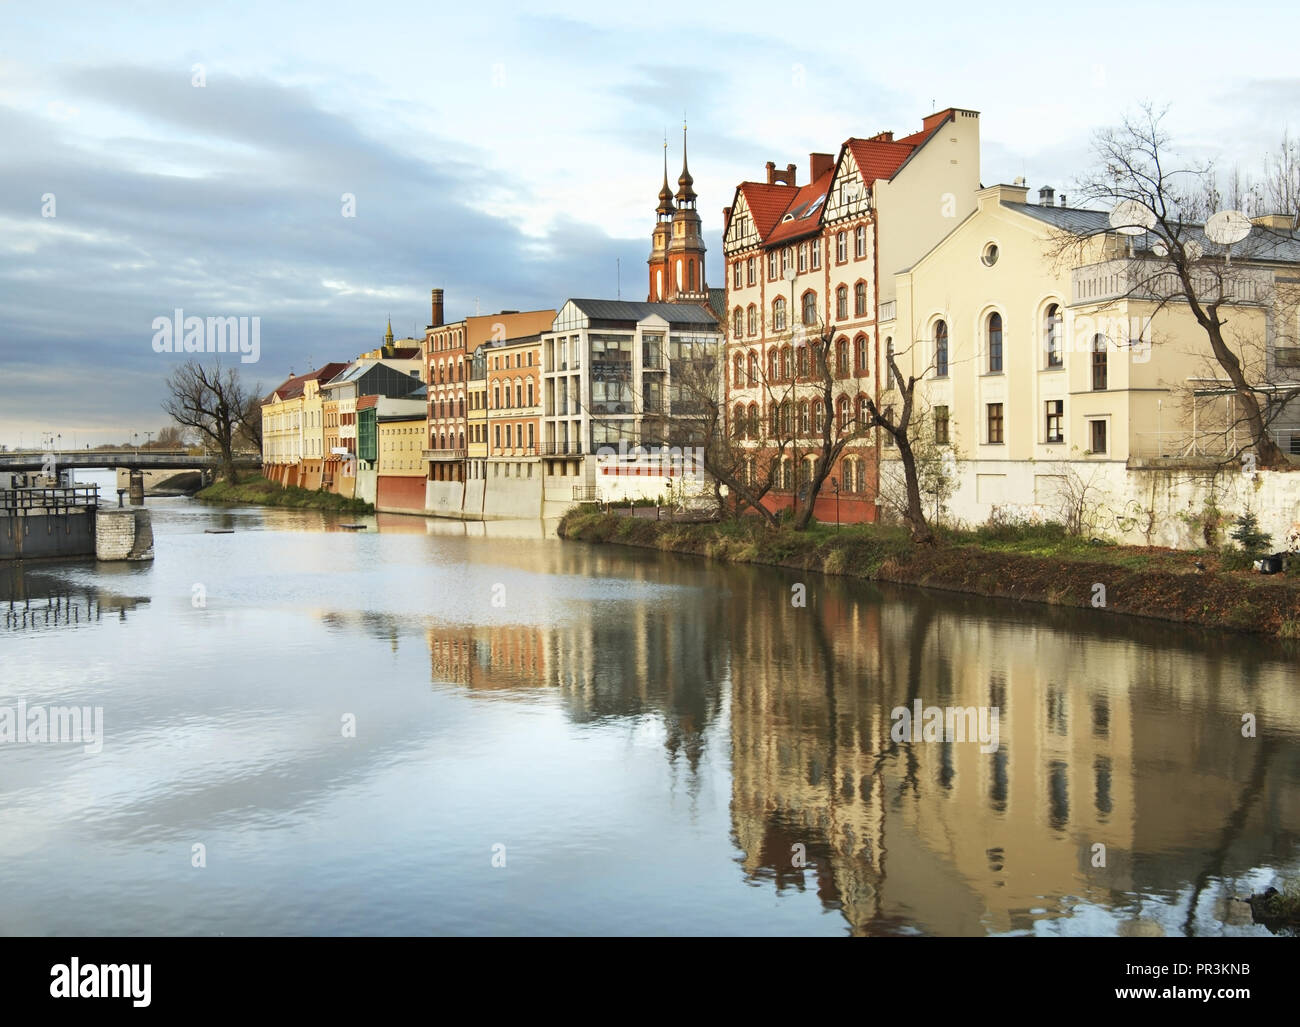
(507, 153)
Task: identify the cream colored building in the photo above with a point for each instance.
(1042, 368)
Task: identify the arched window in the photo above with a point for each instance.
(786, 414)
(752, 319)
(995, 342)
(842, 357)
(778, 315)
(802, 361)
(753, 420)
(842, 302)
(860, 299)
(787, 363)
(889, 362)
(753, 368)
(810, 307)
(691, 274)
(1099, 358)
(738, 370)
(817, 414)
(738, 323)
(861, 415)
(773, 367)
(462, 406)
(803, 417)
(806, 471)
(842, 405)
(1052, 335)
(941, 349)
(860, 354)
(462, 441)
(738, 421)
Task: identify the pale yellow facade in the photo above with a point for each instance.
(401, 446)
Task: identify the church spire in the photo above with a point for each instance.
(665, 194)
(685, 194)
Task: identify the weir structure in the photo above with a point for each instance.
(62, 521)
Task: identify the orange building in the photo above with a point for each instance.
(514, 396)
(449, 349)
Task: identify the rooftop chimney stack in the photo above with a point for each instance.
(775, 177)
(1045, 196)
(437, 308)
(818, 165)
(1062, 203)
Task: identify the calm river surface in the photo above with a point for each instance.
(652, 744)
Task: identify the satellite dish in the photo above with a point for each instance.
(1227, 227)
(1131, 218)
(1160, 249)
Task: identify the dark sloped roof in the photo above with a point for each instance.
(1270, 245)
(632, 312)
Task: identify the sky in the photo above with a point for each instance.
(197, 157)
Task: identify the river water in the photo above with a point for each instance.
(427, 727)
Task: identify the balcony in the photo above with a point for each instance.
(888, 311)
(444, 455)
(1153, 280)
(562, 449)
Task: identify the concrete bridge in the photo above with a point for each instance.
(130, 459)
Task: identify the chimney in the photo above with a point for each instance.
(818, 165)
(1062, 203)
(1045, 196)
(437, 308)
(726, 219)
(775, 177)
(882, 137)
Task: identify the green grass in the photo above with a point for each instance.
(258, 491)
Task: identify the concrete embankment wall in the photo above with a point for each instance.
(38, 534)
(367, 486)
(400, 494)
(1159, 506)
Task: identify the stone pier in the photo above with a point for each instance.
(123, 534)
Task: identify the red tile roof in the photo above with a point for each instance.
(800, 226)
(766, 204)
(292, 387)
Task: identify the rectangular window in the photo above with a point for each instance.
(771, 266)
(816, 254)
(1097, 436)
(841, 247)
(735, 275)
(1099, 365)
(995, 424)
(749, 271)
(1055, 420)
(803, 257)
(941, 426)
(498, 434)
(860, 242)
(785, 259)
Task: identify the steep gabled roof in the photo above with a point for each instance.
(804, 211)
(766, 204)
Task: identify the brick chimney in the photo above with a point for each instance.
(775, 177)
(1047, 196)
(726, 219)
(818, 165)
(436, 296)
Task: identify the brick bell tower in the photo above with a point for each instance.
(677, 253)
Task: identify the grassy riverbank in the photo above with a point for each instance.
(1039, 564)
(257, 491)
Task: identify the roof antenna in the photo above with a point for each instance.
(618, 276)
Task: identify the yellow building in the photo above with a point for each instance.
(293, 431)
(1046, 369)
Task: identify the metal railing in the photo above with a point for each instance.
(888, 310)
(74, 497)
(586, 493)
(561, 449)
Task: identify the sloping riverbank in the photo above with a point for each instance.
(258, 491)
(1032, 565)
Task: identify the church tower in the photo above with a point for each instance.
(677, 254)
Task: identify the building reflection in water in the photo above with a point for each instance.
(1109, 736)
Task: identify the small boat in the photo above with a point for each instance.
(353, 527)
(218, 531)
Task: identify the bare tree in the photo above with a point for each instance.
(1171, 263)
(214, 403)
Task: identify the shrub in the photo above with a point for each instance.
(1246, 533)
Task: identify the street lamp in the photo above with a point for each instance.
(835, 484)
